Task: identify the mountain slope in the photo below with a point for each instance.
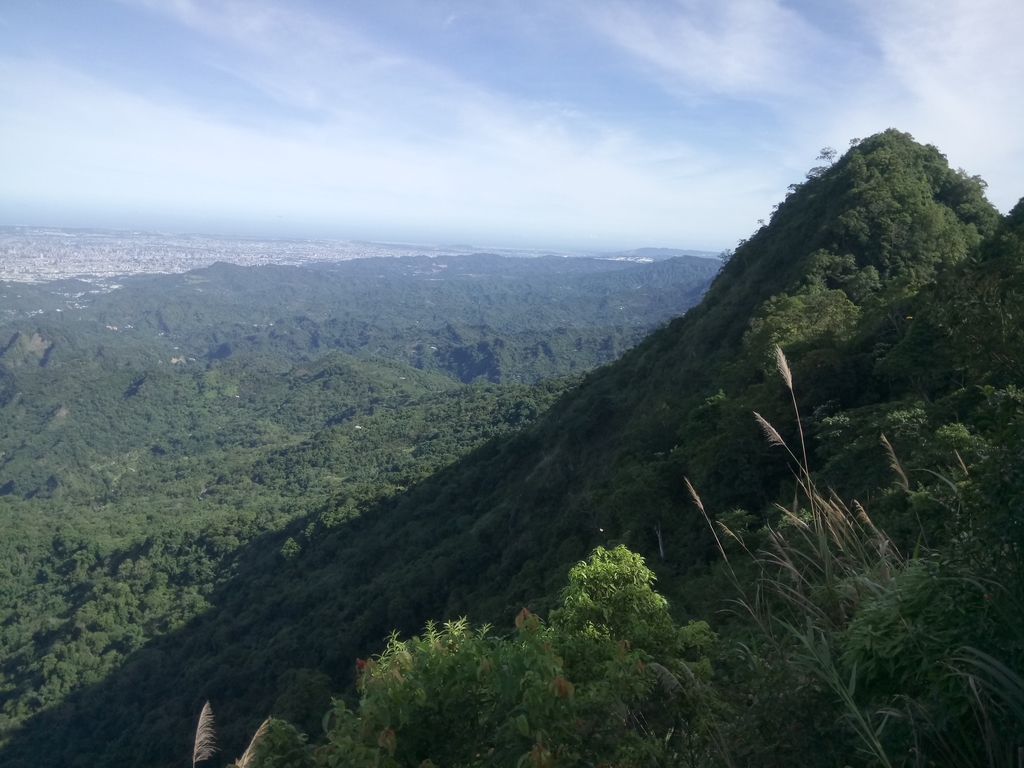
(837, 278)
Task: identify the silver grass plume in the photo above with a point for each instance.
(783, 365)
(895, 464)
(774, 438)
(250, 751)
(700, 506)
(787, 376)
(205, 744)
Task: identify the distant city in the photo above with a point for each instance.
(39, 254)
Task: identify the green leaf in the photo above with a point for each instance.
(523, 725)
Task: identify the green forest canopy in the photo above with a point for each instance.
(893, 289)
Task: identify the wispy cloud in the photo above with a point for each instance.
(262, 26)
(542, 121)
(756, 49)
(948, 71)
(526, 181)
(294, 56)
(951, 72)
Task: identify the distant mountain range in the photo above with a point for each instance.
(663, 253)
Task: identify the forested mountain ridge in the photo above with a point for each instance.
(502, 318)
(842, 258)
(879, 277)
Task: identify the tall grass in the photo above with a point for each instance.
(248, 757)
(205, 743)
(822, 564)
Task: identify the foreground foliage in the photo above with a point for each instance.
(918, 655)
(600, 685)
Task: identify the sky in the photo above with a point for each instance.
(586, 125)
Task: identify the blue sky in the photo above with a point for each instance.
(564, 124)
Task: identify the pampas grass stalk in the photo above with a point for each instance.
(700, 506)
(205, 743)
(895, 463)
(774, 438)
(818, 567)
(787, 376)
(250, 751)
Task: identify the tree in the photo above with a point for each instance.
(584, 691)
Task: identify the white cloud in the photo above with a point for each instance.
(506, 179)
(254, 24)
(359, 136)
(296, 58)
(756, 49)
(390, 142)
(950, 72)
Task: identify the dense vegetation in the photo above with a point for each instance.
(509, 320)
(883, 298)
(150, 432)
(116, 529)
